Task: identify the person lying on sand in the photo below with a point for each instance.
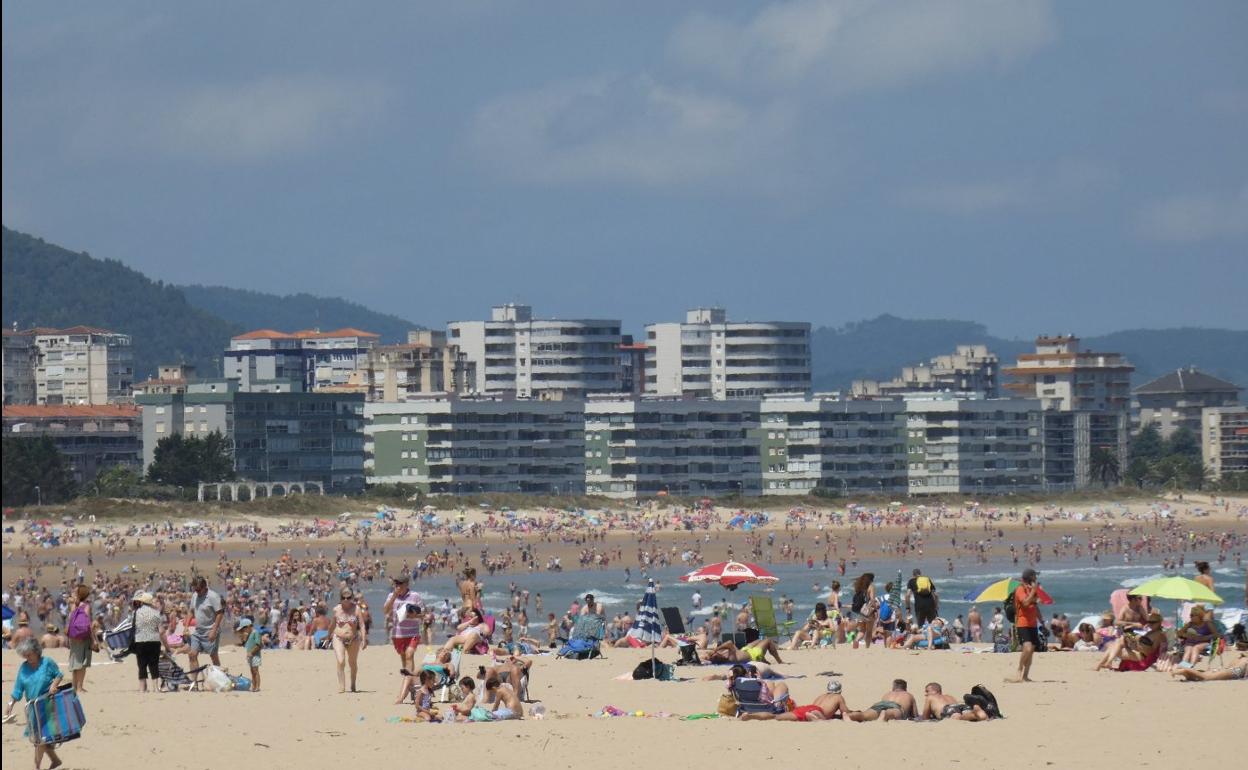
(937, 705)
(895, 704)
(830, 705)
(757, 671)
(756, 652)
(698, 639)
(1236, 670)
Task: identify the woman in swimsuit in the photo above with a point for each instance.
(756, 651)
(815, 629)
(1236, 672)
(1137, 653)
(1196, 635)
(471, 631)
(864, 608)
(348, 637)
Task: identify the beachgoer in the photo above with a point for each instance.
(818, 628)
(1236, 671)
(1137, 652)
(471, 631)
(469, 591)
(1133, 615)
(148, 638)
(501, 700)
(425, 711)
(922, 592)
(1027, 622)
(348, 637)
(863, 608)
(755, 651)
(1204, 574)
(938, 705)
(829, 705)
(405, 617)
(464, 708)
(209, 612)
(80, 646)
(249, 637)
(1196, 634)
(897, 703)
(37, 675)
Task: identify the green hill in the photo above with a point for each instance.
(256, 310)
(878, 348)
(46, 285)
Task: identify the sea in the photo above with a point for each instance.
(1078, 589)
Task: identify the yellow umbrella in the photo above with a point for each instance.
(1178, 588)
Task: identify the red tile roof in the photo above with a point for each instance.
(303, 334)
(265, 334)
(62, 411)
(52, 330)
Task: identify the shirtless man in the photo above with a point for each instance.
(975, 624)
(1132, 615)
(894, 704)
(502, 701)
(51, 640)
(938, 705)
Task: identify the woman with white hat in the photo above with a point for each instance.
(148, 638)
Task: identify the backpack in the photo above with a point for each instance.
(923, 585)
(660, 670)
(1011, 611)
(79, 626)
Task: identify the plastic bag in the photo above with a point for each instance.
(217, 680)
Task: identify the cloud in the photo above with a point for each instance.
(852, 45)
(1066, 182)
(631, 129)
(273, 116)
(1194, 217)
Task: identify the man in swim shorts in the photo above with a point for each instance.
(830, 705)
(937, 705)
(895, 704)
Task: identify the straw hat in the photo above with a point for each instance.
(143, 597)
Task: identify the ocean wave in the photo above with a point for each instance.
(1139, 581)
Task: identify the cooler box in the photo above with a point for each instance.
(55, 718)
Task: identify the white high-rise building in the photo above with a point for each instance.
(82, 366)
(708, 356)
(516, 354)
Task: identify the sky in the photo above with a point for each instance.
(1037, 166)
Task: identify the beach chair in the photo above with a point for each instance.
(172, 677)
(765, 618)
(674, 621)
(748, 694)
(121, 638)
(54, 718)
(676, 628)
(585, 640)
(1218, 645)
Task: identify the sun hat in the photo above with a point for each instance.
(143, 597)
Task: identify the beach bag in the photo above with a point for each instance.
(241, 683)
(55, 718)
(1011, 612)
(664, 672)
(217, 680)
(727, 705)
(79, 626)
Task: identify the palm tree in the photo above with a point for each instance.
(1103, 464)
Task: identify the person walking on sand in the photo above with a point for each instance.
(348, 637)
(1027, 622)
(37, 675)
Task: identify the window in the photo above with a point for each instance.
(160, 427)
(160, 410)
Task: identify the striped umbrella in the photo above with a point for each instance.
(646, 628)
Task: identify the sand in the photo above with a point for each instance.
(1070, 717)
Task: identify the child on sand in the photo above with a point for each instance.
(465, 706)
(249, 637)
(425, 712)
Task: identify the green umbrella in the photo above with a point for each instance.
(1178, 588)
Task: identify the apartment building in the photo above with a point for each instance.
(170, 378)
(445, 445)
(708, 356)
(1085, 397)
(1177, 400)
(425, 364)
(277, 434)
(518, 355)
(973, 446)
(81, 365)
(20, 359)
(92, 438)
(1224, 440)
(970, 369)
(314, 358)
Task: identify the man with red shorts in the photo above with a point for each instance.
(830, 705)
(404, 613)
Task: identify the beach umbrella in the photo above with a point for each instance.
(1000, 590)
(646, 628)
(730, 574)
(8, 613)
(1178, 588)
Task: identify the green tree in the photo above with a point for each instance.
(118, 481)
(1104, 466)
(185, 462)
(1138, 471)
(1184, 443)
(34, 471)
(1148, 444)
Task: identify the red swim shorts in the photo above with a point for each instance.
(404, 643)
(802, 712)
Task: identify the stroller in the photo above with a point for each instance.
(172, 677)
(586, 638)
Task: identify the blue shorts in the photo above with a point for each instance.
(200, 644)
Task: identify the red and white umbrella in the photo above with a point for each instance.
(730, 574)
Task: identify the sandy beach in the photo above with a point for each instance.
(1069, 717)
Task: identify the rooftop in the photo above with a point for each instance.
(303, 334)
(1189, 380)
(61, 411)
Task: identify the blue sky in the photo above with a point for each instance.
(1037, 166)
